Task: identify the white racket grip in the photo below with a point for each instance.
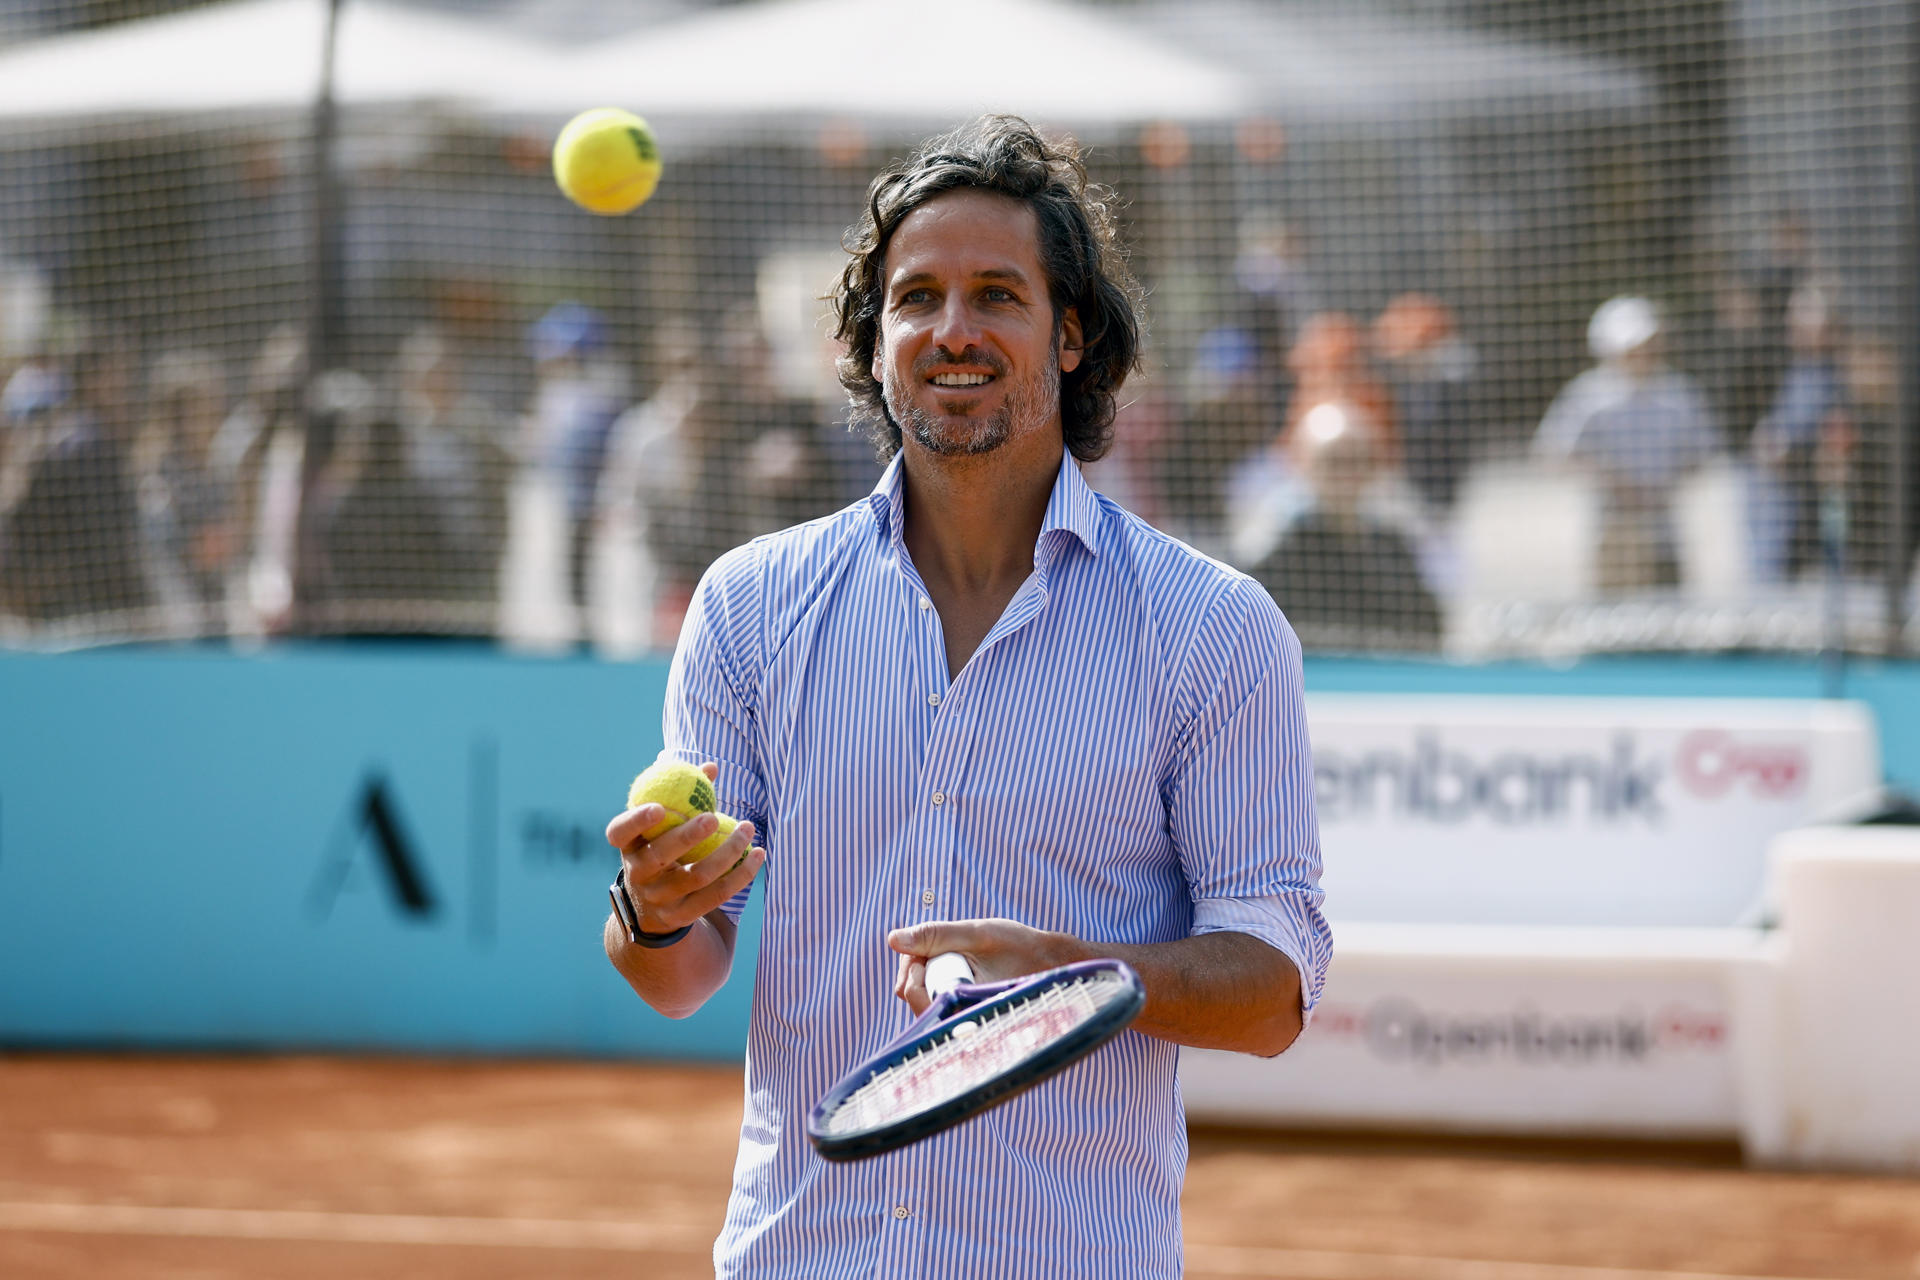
(946, 971)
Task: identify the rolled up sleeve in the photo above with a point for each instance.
(1241, 795)
(711, 692)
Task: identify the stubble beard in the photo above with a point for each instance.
(1028, 404)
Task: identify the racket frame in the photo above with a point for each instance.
(969, 1003)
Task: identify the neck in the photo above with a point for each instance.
(972, 521)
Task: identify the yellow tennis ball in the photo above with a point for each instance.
(606, 161)
(684, 792)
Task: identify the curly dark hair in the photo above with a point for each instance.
(1080, 252)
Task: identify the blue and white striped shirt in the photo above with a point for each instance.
(1124, 759)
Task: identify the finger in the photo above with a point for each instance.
(647, 860)
(675, 879)
(627, 827)
(712, 771)
(933, 937)
(722, 890)
(725, 856)
(917, 996)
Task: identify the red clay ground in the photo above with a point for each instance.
(219, 1169)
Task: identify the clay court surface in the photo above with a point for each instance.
(122, 1167)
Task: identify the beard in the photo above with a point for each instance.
(1028, 404)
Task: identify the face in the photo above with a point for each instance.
(969, 357)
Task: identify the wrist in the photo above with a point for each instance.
(629, 918)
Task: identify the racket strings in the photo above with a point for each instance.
(977, 1050)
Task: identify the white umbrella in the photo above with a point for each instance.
(798, 62)
(1349, 62)
(261, 56)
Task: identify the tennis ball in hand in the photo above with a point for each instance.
(606, 161)
(684, 792)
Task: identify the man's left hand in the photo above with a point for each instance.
(997, 950)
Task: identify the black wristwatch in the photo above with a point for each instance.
(623, 907)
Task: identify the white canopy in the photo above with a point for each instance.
(798, 61)
(262, 56)
(1349, 61)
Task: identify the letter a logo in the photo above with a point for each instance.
(374, 820)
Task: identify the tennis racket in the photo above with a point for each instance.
(975, 1047)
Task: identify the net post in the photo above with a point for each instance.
(1906, 421)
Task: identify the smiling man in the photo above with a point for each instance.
(983, 710)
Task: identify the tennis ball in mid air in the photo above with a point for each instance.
(606, 161)
(684, 792)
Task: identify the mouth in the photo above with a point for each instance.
(960, 381)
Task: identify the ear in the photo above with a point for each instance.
(1072, 341)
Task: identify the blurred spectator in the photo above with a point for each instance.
(186, 508)
(1748, 354)
(1142, 428)
(1275, 292)
(1809, 418)
(457, 449)
(388, 534)
(1430, 371)
(1641, 427)
(1872, 374)
(1267, 490)
(716, 456)
(1329, 366)
(1229, 417)
(1344, 579)
(260, 455)
(577, 395)
(69, 521)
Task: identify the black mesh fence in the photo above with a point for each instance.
(1481, 327)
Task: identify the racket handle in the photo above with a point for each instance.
(947, 971)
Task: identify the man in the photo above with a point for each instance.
(986, 711)
(1641, 427)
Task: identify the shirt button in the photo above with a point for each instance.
(925, 604)
(933, 699)
(939, 797)
(926, 898)
(899, 1211)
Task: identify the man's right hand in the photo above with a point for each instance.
(665, 894)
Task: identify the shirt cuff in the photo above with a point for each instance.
(1274, 920)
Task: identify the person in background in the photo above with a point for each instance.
(1344, 579)
(1808, 423)
(577, 395)
(186, 513)
(1228, 415)
(1329, 366)
(716, 456)
(1267, 490)
(650, 447)
(1640, 426)
(69, 520)
(387, 534)
(1429, 370)
(259, 457)
(456, 447)
(1747, 353)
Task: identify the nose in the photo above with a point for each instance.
(956, 327)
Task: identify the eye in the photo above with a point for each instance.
(914, 297)
(999, 293)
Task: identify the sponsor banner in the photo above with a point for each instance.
(1619, 1040)
(1583, 811)
(390, 846)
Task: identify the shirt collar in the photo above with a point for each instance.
(1072, 507)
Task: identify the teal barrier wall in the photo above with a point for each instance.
(385, 846)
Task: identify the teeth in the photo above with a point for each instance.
(961, 379)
